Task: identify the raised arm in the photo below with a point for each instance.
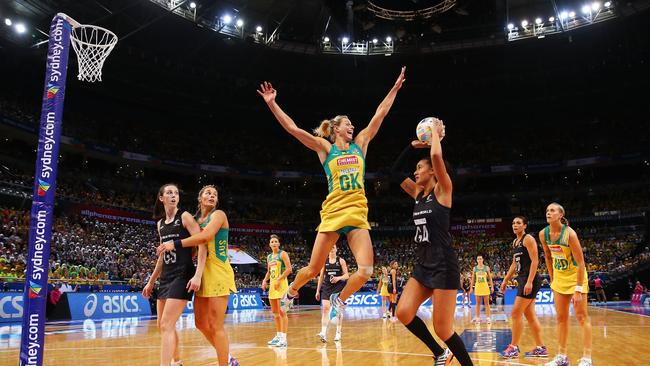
(318, 144)
(439, 168)
(397, 171)
(367, 134)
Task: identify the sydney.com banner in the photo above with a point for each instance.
(40, 224)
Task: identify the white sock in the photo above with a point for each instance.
(283, 336)
(278, 334)
(323, 329)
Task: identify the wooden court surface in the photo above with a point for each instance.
(619, 339)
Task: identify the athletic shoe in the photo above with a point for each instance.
(274, 342)
(489, 320)
(336, 309)
(323, 337)
(286, 302)
(337, 337)
(281, 343)
(176, 363)
(476, 320)
(233, 361)
(444, 359)
(558, 361)
(384, 316)
(537, 352)
(510, 352)
(585, 362)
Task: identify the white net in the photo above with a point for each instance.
(92, 45)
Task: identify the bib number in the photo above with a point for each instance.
(421, 234)
(560, 264)
(170, 257)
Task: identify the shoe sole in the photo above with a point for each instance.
(449, 359)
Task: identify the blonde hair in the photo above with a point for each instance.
(326, 128)
(198, 210)
(563, 219)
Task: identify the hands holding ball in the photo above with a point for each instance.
(426, 129)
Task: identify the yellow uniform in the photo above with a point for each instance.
(276, 268)
(384, 286)
(481, 287)
(565, 268)
(346, 206)
(218, 277)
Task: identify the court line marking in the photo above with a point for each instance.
(625, 312)
(498, 362)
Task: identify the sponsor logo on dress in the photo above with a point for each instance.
(347, 160)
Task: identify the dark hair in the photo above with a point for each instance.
(158, 207)
(273, 236)
(522, 218)
(525, 221)
(448, 166)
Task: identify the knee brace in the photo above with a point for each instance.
(366, 270)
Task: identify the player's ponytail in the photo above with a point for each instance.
(563, 219)
(326, 128)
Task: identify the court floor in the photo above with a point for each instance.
(619, 333)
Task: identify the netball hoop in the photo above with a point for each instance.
(92, 44)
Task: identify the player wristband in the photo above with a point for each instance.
(178, 244)
(578, 289)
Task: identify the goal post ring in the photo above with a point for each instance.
(92, 44)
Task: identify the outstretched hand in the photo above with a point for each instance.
(400, 79)
(267, 92)
(420, 145)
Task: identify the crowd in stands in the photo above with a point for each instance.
(89, 251)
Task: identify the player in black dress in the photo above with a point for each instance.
(332, 279)
(436, 273)
(179, 278)
(393, 288)
(524, 262)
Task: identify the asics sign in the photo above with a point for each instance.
(107, 305)
(245, 301)
(545, 296)
(364, 299)
(11, 307)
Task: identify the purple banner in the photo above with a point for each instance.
(40, 224)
